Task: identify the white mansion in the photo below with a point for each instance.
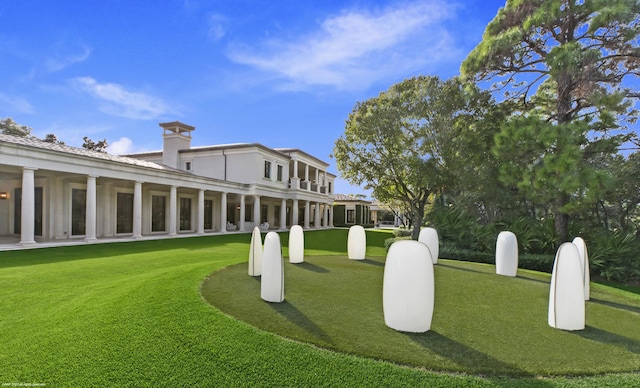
(52, 192)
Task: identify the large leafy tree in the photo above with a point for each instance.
(400, 143)
(566, 63)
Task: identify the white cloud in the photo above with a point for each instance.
(15, 104)
(118, 101)
(53, 65)
(217, 27)
(356, 48)
(122, 146)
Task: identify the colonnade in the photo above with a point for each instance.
(322, 217)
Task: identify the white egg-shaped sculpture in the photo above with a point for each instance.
(507, 254)
(566, 293)
(272, 281)
(408, 287)
(296, 244)
(584, 255)
(255, 253)
(429, 236)
(356, 243)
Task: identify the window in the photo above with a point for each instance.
(187, 166)
(208, 214)
(329, 187)
(279, 176)
(158, 213)
(124, 213)
(351, 216)
(267, 169)
(264, 212)
(185, 213)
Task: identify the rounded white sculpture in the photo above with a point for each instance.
(408, 287)
(255, 253)
(507, 254)
(356, 243)
(584, 256)
(429, 236)
(272, 282)
(566, 294)
(296, 244)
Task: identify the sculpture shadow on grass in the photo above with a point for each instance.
(620, 306)
(372, 262)
(462, 269)
(311, 267)
(595, 334)
(291, 313)
(464, 355)
(531, 279)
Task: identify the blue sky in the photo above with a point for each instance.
(281, 73)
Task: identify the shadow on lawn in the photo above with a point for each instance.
(291, 313)
(372, 262)
(440, 264)
(465, 356)
(633, 309)
(311, 267)
(595, 334)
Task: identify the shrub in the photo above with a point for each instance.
(615, 256)
(389, 241)
(402, 232)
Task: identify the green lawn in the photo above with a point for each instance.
(131, 314)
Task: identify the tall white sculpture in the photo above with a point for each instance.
(408, 289)
(255, 253)
(356, 243)
(296, 244)
(507, 254)
(584, 256)
(566, 294)
(429, 236)
(272, 282)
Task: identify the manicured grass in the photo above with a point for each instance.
(483, 323)
(131, 314)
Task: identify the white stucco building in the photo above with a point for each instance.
(51, 192)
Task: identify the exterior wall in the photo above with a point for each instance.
(230, 180)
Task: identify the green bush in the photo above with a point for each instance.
(389, 241)
(615, 256)
(402, 232)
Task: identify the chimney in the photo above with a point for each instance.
(177, 136)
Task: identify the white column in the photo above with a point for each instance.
(243, 212)
(295, 168)
(316, 220)
(27, 223)
(330, 215)
(256, 211)
(137, 209)
(173, 210)
(325, 214)
(223, 213)
(307, 205)
(200, 211)
(90, 213)
(283, 214)
(294, 213)
(306, 177)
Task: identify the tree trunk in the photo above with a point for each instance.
(561, 220)
(417, 222)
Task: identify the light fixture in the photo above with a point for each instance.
(4, 195)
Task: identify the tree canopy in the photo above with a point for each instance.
(565, 64)
(401, 143)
